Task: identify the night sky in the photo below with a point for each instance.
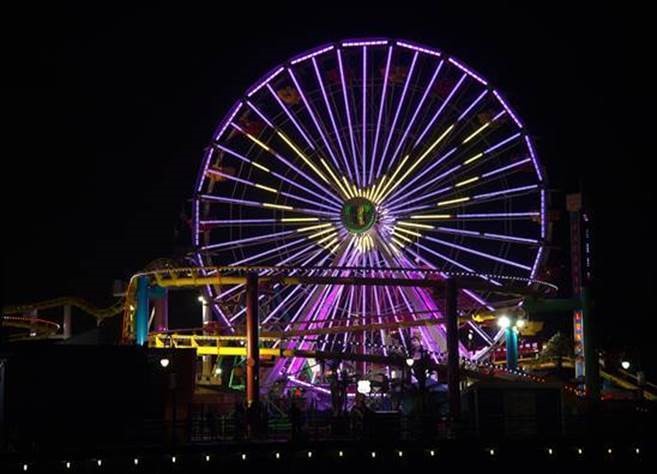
(108, 113)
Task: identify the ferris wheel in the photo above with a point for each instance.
(377, 154)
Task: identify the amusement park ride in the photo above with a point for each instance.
(359, 197)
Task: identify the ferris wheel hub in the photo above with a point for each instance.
(358, 215)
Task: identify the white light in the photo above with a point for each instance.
(400, 453)
(549, 451)
(217, 371)
(637, 450)
(164, 362)
(340, 453)
(393, 374)
(310, 454)
(207, 458)
(364, 387)
(579, 451)
(432, 452)
(625, 364)
(609, 451)
(243, 457)
(135, 461)
(99, 462)
(24, 467)
(492, 452)
(201, 299)
(520, 323)
(410, 361)
(278, 455)
(173, 459)
(503, 322)
(68, 465)
(373, 454)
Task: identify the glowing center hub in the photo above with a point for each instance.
(358, 215)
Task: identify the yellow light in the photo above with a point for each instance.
(403, 237)
(432, 216)
(399, 244)
(470, 160)
(413, 224)
(467, 181)
(300, 219)
(313, 227)
(409, 232)
(333, 240)
(277, 206)
(453, 201)
(266, 188)
(376, 190)
(321, 232)
(384, 189)
(476, 132)
(302, 156)
(348, 186)
(258, 142)
(335, 178)
(417, 162)
(258, 165)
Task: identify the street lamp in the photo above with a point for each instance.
(625, 364)
(164, 362)
(504, 322)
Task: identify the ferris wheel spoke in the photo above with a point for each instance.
(354, 156)
(271, 190)
(332, 118)
(470, 233)
(300, 129)
(445, 158)
(319, 127)
(266, 205)
(411, 122)
(440, 109)
(464, 184)
(328, 191)
(482, 216)
(396, 116)
(364, 120)
(373, 176)
(284, 179)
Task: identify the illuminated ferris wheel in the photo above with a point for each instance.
(378, 154)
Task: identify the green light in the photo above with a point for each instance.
(358, 215)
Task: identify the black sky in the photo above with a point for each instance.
(108, 112)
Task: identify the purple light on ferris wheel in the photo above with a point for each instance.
(346, 107)
(418, 48)
(505, 168)
(238, 221)
(331, 116)
(543, 210)
(437, 162)
(502, 215)
(502, 143)
(289, 115)
(417, 110)
(312, 55)
(537, 261)
(247, 240)
(196, 222)
(378, 121)
(290, 165)
(505, 191)
(396, 117)
(478, 299)
(364, 147)
(267, 252)
(478, 253)
(440, 109)
(534, 160)
(209, 197)
(264, 82)
(314, 119)
(261, 115)
(392, 207)
(348, 44)
(437, 179)
(472, 105)
(507, 108)
(466, 70)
